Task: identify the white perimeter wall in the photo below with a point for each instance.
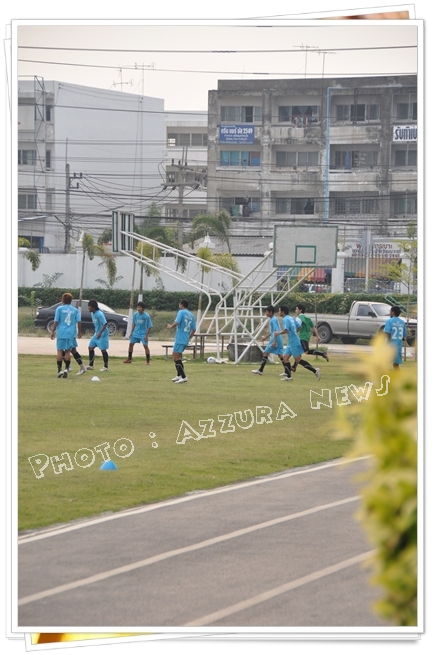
(70, 267)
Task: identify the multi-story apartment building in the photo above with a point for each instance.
(82, 152)
(315, 152)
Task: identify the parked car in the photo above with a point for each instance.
(45, 316)
(364, 320)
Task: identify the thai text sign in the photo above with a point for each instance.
(405, 133)
(237, 133)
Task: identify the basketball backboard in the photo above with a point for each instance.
(308, 247)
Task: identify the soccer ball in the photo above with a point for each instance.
(211, 360)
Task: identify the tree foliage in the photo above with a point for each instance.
(32, 256)
(385, 428)
(217, 225)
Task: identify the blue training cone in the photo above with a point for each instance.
(109, 466)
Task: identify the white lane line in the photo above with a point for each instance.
(179, 551)
(53, 532)
(209, 619)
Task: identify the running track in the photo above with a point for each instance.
(283, 550)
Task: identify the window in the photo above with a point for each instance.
(48, 159)
(246, 114)
(405, 157)
(307, 159)
(240, 206)
(404, 205)
(49, 199)
(195, 139)
(48, 113)
(358, 113)
(406, 107)
(239, 158)
(27, 201)
(294, 206)
(348, 159)
(26, 157)
(286, 159)
(363, 310)
(355, 206)
(298, 115)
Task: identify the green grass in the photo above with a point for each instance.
(134, 402)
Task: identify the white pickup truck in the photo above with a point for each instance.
(363, 322)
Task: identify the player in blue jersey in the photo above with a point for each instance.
(275, 345)
(395, 331)
(185, 323)
(293, 348)
(140, 330)
(100, 338)
(66, 325)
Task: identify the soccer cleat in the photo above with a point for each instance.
(127, 361)
(70, 369)
(176, 378)
(81, 371)
(282, 374)
(60, 374)
(89, 368)
(66, 373)
(181, 380)
(148, 363)
(104, 368)
(318, 374)
(286, 379)
(325, 357)
(257, 372)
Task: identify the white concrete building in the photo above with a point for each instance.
(82, 152)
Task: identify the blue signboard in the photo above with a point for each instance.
(237, 134)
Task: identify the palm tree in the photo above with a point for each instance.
(150, 252)
(32, 256)
(109, 261)
(217, 225)
(88, 250)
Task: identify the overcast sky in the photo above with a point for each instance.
(179, 64)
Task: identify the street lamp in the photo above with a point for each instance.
(206, 243)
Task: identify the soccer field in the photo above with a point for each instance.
(248, 425)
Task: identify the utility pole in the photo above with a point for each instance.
(68, 221)
(181, 176)
(67, 226)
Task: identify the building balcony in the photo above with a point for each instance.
(403, 179)
(345, 181)
(289, 134)
(347, 133)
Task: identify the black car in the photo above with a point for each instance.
(45, 316)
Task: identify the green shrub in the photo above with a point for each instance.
(385, 427)
(326, 303)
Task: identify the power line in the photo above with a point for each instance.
(208, 72)
(216, 52)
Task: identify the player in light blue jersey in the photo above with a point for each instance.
(275, 344)
(293, 348)
(100, 338)
(67, 324)
(185, 323)
(140, 330)
(395, 331)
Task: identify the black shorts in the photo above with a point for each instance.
(305, 346)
